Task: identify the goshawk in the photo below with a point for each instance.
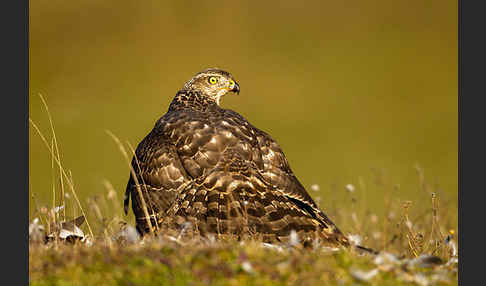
(208, 167)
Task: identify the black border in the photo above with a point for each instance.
(471, 77)
(14, 207)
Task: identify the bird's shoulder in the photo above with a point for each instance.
(186, 123)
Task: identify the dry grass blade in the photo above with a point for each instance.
(132, 171)
(63, 172)
(54, 138)
(412, 242)
(132, 150)
(43, 219)
(52, 178)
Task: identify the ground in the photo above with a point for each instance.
(417, 241)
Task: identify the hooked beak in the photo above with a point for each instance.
(235, 88)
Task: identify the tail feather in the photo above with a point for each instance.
(231, 204)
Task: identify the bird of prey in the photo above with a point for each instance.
(208, 167)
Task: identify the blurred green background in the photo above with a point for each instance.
(345, 87)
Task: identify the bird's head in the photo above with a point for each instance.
(213, 83)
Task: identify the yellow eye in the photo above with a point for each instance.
(232, 83)
(213, 80)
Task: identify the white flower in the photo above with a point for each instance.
(58, 209)
(364, 276)
(87, 240)
(452, 261)
(386, 258)
(36, 230)
(129, 234)
(354, 239)
(420, 279)
(272, 246)
(294, 238)
(452, 243)
(246, 265)
(350, 188)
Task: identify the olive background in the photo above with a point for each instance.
(348, 88)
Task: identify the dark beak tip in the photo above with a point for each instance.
(236, 89)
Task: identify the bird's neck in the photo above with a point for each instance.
(192, 99)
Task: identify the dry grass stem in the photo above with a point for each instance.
(63, 172)
(132, 171)
(54, 137)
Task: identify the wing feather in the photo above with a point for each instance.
(159, 172)
(276, 171)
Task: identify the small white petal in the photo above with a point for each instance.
(363, 275)
(350, 188)
(129, 234)
(272, 246)
(246, 265)
(355, 239)
(294, 238)
(386, 258)
(420, 279)
(58, 209)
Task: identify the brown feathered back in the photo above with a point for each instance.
(208, 166)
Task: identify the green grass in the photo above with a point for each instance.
(165, 260)
(221, 263)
